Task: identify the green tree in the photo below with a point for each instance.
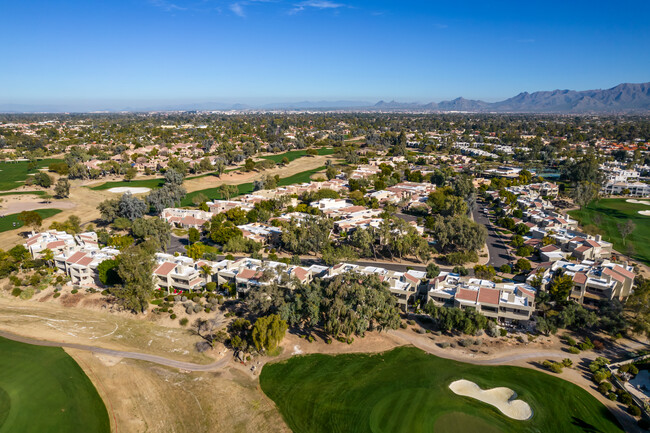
(268, 332)
(193, 235)
(135, 270)
(30, 219)
(560, 287)
(107, 271)
(130, 174)
(62, 188)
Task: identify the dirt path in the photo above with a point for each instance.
(121, 354)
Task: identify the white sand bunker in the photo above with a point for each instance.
(501, 398)
(646, 202)
(132, 190)
(645, 212)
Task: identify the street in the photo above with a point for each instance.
(498, 251)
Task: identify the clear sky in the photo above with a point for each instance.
(123, 52)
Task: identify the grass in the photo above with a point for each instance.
(295, 154)
(407, 390)
(7, 222)
(43, 389)
(22, 193)
(143, 183)
(607, 213)
(14, 174)
(247, 188)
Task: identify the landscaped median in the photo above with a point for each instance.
(407, 390)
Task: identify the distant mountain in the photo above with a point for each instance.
(625, 99)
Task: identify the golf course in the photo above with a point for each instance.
(407, 390)
(606, 214)
(42, 389)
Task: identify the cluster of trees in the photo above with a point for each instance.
(455, 319)
(348, 304)
(134, 268)
(171, 193)
(394, 238)
(127, 206)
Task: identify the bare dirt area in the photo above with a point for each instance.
(144, 397)
(79, 319)
(19, 203)
(236, 177)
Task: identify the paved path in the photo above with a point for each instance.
(120, 353)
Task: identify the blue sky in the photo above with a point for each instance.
(117, 52)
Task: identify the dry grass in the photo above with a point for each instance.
(141, 397)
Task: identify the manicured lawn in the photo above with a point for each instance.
(42, 389)
(407, 390)
(14, 174)
(247, 188)
(614, 211)
(295, 154)
(143, 183)
(6, 222)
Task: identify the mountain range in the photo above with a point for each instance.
(626, 98)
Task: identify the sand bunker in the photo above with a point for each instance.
(646, 202)
(645, 212)
(132, 190)
(501, 398)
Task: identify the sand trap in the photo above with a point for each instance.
(132, 190)
(501, 398)
(646, 202)
(645, 212)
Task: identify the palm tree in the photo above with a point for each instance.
(206, 272)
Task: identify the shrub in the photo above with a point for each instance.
(172, 316)
(466, 342)
(624, 368)
(183, 321)
(555, 367)
(600, 376)
(612, 396)
(328, 341)
(567, 362)
(16, 292)
(586, 345)
(444, 344)
(625, 398)
(574, 350)
(105, 292)
(634, 410)
(570, 341)
(207, 309)
(402, 325)
(503, 332)
(56, 295)
(411, 322)
(633, 370)
(197, 308)
(27, 293)
(604, 387)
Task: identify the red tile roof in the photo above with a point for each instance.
(75, 257)
(467, 295)
(624, 272)
(580, 278)
(165, 268)
(488, 296)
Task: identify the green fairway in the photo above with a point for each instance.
(42, 389)
(14, 174)
(247, 188)
(295, 154)
(143, 183)
(407, 390)
(614, 211)
(7, 222)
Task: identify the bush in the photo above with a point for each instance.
(172, 316)
(16, 292)
(570, 341)
(56, 295)
(197, 308)
(466, 342)
(604, 387)
(402, 325)
(207, 310)
(183, 321)
(411, 322)
(612, 396)
(503, 332)
(105, 292)
(624, 368)
(634, 410)
(625, 398)
(600, 376)
(444, 344)
(567, 362)
(586, 345)
(574, 350)
(633, 370)
(555, 367)
(27, 293)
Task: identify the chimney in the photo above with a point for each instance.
(598, 238)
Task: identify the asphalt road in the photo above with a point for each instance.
(497, 248)
(121, 354)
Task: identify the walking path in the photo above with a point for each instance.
(120, 353)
